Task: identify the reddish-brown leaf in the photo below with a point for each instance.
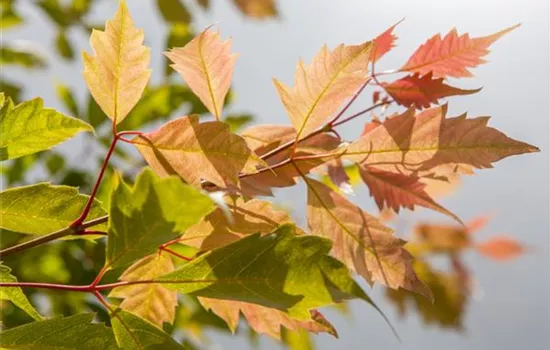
(422, 91)
(265, 320)
(396, 190)
(501, 248)
(360, 240)
(384, 42)
(197, 151)
(264, 138)
(452, 55)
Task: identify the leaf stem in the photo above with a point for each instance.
(52, 236)
(379, 104)
(176, 254)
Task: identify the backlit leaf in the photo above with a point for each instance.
(217, 230)
(150, 301)
(383, 43)
(395, 190)
(117, 74)
(149, 214)
(206, 64)
(197, 151)
(15, 295)
(29, 128)
(135, 333)
(264, 138)
(265, 320)
(422, 91)
(44, 208)
(452, 55)
(320, 88)
(72, 332)
(360, 240)
(283, 271)
(500, 248)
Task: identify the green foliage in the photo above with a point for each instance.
(15, 294)
(149, 214)
(73, 332)
(29, 128)
(43, 208)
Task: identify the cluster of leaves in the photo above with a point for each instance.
(192, 225)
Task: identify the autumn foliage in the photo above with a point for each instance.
(197, 222)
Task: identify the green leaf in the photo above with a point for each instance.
(279, 270)
(178, 36)
(237, 122)
(55, 163)
(27, 59)
(149, 214)
(15, 170)
(29, 128)
(60, 333)
(10, 89)
(173, 11)
(63, 45)
(56, 12)
(132, 332)
(44, 208)
(15, 294)
(9, 18)
(66, 96)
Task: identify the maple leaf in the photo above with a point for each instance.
(197, 151)
(500, 248)
(265, 320)
(247, 217)
(118, 73)
(322, 87)
(452, 55)
(384, 42)
(360, 240)
(150, 301)
(396, 190)
(264, 138)
(206, 64)
(422, 91)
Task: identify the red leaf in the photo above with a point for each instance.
(422, 91)
(452, 55)
(384, 43)
(501, 248)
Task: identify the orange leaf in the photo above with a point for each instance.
(500, 248)
(319, 89)
(249, 217)
(452, 55)
(206, 64)
(197, 151)
(258, 9)
(396, 190)
(265, 320)
(337, 174)
(443, 238)
(264, 138)
(422, 91)
(384, 42)
(360, 240)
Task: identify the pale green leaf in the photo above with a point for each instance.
(280, 270)
(44, 208)
(149, 214)
(29, 128)
(132, 332)
(15, 294)
(60, 333)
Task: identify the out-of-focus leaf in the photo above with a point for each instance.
(65, 94)
(55, 163)
(118, 71)
(29, 128)
(149, 214)
(24, 58)
(44, 208)
(257, 9)
(63, 45)
(500, 248)
(96, 116)
(237, 122)
(10, 90)
(15, 295)
(17, 168)
(186, 147)
(206, 64)
(56, 12)
(173, 11)
(152, 301)
(73, 332)
(135, 333)
(9, 18)
(283, 271)
(76, 178)
(297, 340)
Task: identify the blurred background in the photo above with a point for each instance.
(480, 303)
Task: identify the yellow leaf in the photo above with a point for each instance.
(319, 89)
(360, 240)
(150, 301)
(118, 73)
(206, 64)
